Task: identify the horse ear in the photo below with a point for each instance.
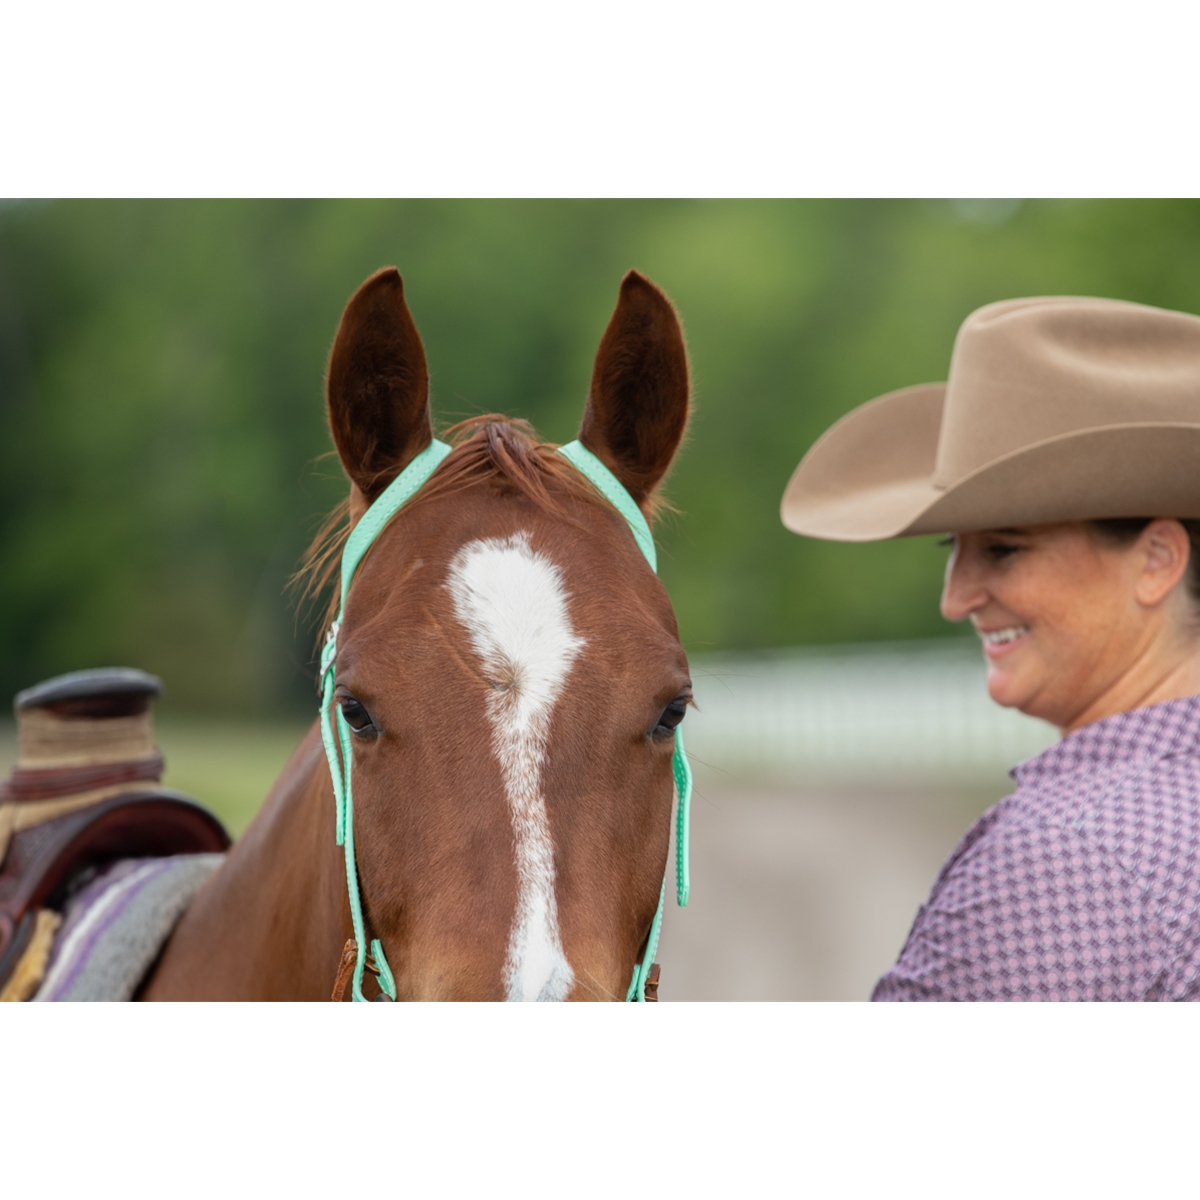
(377, 386)
(637, 407)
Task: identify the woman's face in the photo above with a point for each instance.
(1074, 627)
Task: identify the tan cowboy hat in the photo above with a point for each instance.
(1058, 408)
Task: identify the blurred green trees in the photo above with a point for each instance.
(161, 419)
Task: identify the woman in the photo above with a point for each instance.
(1063, 456)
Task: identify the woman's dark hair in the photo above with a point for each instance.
(1121, 531)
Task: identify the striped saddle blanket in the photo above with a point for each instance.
(112, 930)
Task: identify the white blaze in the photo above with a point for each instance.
(514, 606)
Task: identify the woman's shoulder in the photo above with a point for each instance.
(1105, 836)
(1141, 807)
(1148, 757)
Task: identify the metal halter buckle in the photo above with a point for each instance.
(329, 649)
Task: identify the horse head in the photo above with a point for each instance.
(509, 669)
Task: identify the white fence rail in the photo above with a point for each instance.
(898, 712)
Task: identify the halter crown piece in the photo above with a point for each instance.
(337, 744)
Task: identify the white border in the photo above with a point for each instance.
(629, 97)
(721, 1100)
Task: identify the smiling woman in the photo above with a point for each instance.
(1061, 419)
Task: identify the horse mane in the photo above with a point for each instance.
(486, 449)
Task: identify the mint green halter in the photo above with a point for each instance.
(390, 501)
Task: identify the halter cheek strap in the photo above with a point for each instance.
(611, 488)
(398, 493)
(335, 732)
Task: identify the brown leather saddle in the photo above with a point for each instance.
(83, 794)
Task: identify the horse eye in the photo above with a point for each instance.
(671, 716)
(356, 716)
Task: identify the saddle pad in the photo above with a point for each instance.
(115, 927)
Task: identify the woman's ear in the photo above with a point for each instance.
(1166, 551)
(377, 386)
(637, 406)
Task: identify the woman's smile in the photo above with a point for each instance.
(999, 642)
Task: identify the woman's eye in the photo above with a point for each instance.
(670, 718)
(1001, 550)
(356, 716)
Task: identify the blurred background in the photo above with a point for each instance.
(164, 462)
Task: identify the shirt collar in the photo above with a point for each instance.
(1160, 731)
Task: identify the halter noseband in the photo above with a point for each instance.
(402, 489)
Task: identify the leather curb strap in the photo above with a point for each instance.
(346, 970)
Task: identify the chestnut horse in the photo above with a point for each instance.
(510, 671)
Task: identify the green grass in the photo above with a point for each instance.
(227, 765)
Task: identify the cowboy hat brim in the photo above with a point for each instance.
(870, 477)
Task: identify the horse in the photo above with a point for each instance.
(510, 674)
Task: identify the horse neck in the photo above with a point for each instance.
(270, 924)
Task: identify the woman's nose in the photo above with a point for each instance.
(963, 592)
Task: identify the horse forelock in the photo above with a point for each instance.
(491, 449)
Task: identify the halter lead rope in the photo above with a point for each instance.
(337, 748)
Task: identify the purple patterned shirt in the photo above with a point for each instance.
(1084, 884)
